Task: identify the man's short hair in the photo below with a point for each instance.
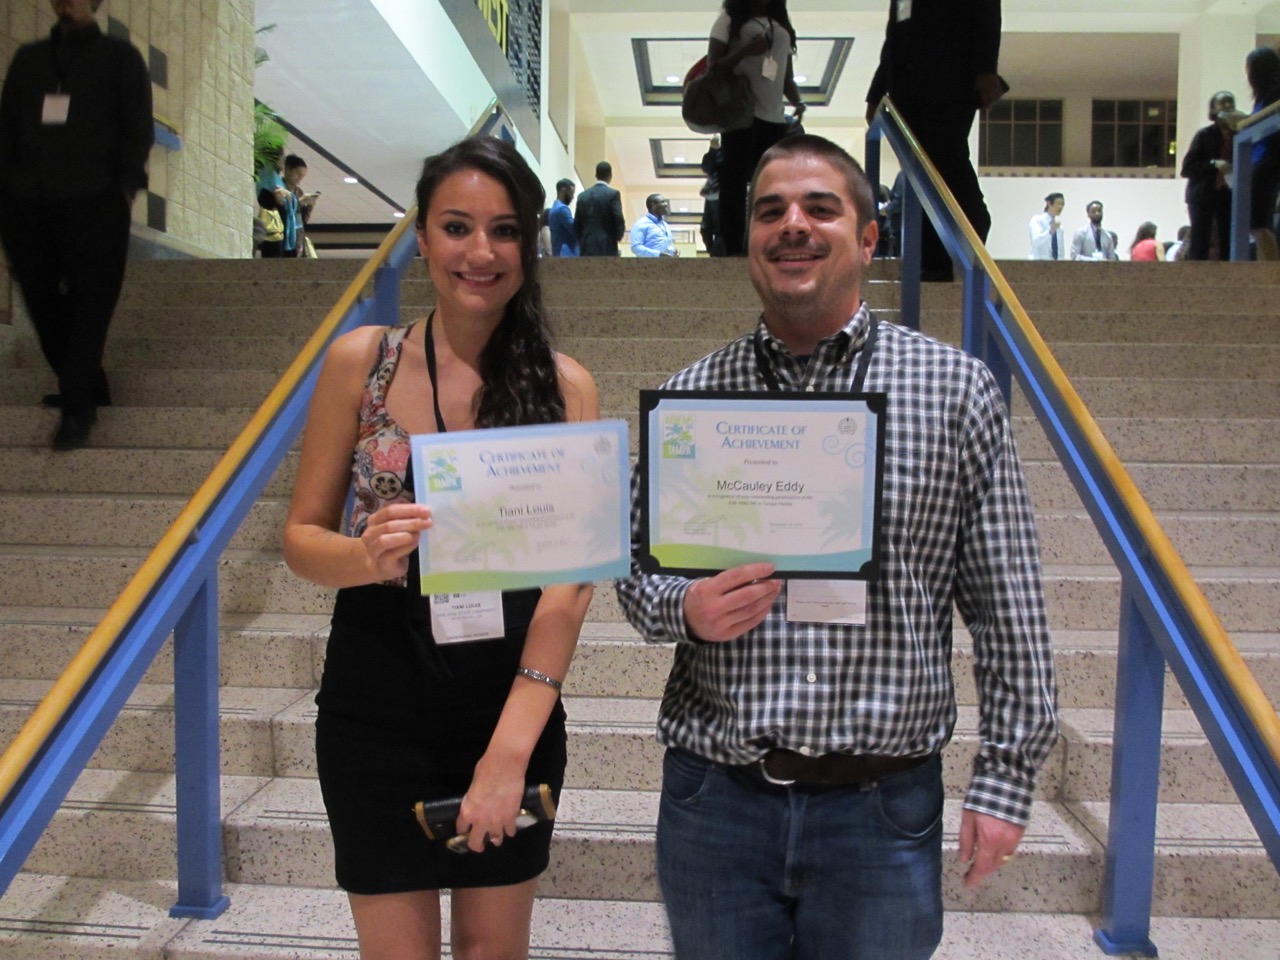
(604, 171)
(651, 199)
(1092, 203)
(811, 145)
(563, 184)
(292, 161)
(1053, 198)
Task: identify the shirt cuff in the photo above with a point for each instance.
(999, 798)
(670, 607)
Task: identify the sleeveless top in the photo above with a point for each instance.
(380, 461)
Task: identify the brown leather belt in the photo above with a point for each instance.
(785, 768)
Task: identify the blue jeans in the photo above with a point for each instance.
(753, 872)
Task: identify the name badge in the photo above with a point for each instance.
(467, 617)
(827, 601)
(769, 68)
(56, 108)
(904, 10)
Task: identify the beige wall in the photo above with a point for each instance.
(207, 185)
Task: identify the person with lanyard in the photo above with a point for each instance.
(1092, 242)
(409, 708)
(274, 194)
(802, 796)
(651, 235)
(75, 134)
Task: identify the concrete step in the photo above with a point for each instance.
(90, 520)
(1078, 597)
(121, 824)
(151, 388)
(200, 428)
(1169, 439)
(112, 470)
(84, 918)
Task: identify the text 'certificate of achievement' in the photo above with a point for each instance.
(520, 507)
(729, 478)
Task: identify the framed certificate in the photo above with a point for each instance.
(520, 507)
(792, 478)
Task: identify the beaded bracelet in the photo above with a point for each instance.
(541, 677)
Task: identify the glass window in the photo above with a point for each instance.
(1134, 133)
(1021, 133)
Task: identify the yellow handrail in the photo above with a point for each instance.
(1253, 118)
(50, 711)
(1255, 702)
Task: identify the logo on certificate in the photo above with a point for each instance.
(677, 437)
(442, 472)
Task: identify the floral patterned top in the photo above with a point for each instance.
(381, 457)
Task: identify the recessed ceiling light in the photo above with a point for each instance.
(350, 180)
(677, 159)
(802, 79)
(399, 214)
(684, 209)
(673, 79)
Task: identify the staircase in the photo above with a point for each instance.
(1184, 386)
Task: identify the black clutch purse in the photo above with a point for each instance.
(438, 818)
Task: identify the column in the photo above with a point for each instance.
(1211, 54)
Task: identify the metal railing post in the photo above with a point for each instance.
(912, 226)
(195, 708)
(386, 294)
(1241, 194)
(1135, 787)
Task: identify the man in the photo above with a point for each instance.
(599, 223)
(802, 791)
(75, 134)
(1092, 242)
(938, 65)
(1048, 239)
(651, 235)
(1206, 167)
(712, 161)
(564, 241)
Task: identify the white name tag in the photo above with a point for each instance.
(56, 108)
(769, 68)
(827, 601)
(904, 10)
(467, 617)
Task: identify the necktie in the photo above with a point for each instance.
(1097, 239)
(1053, 243)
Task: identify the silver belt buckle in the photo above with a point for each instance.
(764, 772)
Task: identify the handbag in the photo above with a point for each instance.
(436, 817)
(716, 104)
(272, 225)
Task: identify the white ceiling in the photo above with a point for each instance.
(340, 75)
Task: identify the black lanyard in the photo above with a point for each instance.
(429, 347)
(859, 376)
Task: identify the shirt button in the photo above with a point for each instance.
(804, 750)
(811, 677)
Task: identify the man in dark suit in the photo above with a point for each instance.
(598, 217)
(938, 65)
(1205, 166)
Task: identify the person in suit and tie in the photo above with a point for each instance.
(598, 218)
(1093, 242)
(1048, 239)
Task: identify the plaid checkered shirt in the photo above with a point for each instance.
(957, 530)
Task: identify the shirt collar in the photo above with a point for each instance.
(836, 348)
(657, 220)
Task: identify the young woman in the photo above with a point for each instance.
(404, 717)
(1145, 246)
(754, 38)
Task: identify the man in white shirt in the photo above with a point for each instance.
(1092, 242)
(1048, 239)
(650, 235)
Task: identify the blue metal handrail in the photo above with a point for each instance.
(1251, 131)
(1164, 617)
(176, 590)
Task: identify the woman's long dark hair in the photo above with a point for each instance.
(739, 12)
(1146, 231)
(1263, 67)
(517, 366)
